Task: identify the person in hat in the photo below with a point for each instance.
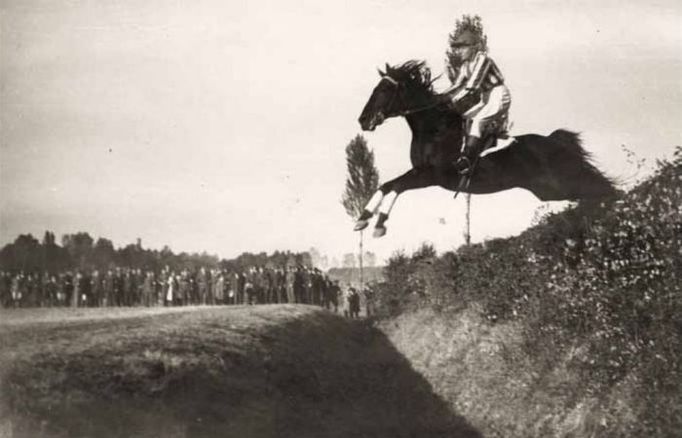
(478, 91)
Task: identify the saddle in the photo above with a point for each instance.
(495, 144)
(495, 135)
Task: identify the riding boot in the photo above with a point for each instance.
(472, 148)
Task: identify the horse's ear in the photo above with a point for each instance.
(388, 68)
(381, 73)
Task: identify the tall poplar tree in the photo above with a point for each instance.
(361, 183)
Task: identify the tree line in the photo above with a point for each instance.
(79, 251)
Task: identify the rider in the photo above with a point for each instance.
(478, 91)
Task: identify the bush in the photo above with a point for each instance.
(601, 279)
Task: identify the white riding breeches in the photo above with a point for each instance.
(491, 114)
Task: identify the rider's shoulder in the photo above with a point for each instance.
(482, 56)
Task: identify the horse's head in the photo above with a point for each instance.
(397, 92)
(383, 102)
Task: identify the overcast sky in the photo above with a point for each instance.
(221, 125)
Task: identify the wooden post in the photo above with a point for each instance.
(467, 232)
(361, 249)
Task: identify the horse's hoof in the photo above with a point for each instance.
(360, 225)
(379, 231)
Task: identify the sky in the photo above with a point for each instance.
(221, 126)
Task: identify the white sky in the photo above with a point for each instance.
(221, 126)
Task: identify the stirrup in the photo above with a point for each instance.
(466, 162)
(463, 184)
(465, 175)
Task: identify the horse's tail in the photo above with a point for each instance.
(579, 175)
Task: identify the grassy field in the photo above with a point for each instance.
(259, 371)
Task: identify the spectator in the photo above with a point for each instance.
(354, 303)
(148, 289)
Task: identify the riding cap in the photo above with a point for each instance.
(466, 38)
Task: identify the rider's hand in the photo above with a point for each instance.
(467, 101)
(445, 98)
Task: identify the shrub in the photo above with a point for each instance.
(602, 277)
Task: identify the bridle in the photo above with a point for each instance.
(397, 93)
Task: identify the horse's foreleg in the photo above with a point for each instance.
(369, 211)
(384, 211)
(412, 179)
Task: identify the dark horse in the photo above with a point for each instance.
(553, 167)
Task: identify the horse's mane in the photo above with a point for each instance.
(412, 73)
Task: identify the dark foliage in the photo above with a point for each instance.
(81, 251)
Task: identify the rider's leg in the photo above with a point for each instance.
(472, 148)
(483, 122)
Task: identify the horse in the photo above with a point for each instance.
(553, 167)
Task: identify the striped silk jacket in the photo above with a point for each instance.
(480, 75)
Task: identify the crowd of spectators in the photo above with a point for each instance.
(138, 287)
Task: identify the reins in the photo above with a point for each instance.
(407, 112)
(418, 109)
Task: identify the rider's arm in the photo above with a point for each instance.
(484, 68)
(458, 82)
(466, 89)
(484, 73)
(478, 72)
(465, 84)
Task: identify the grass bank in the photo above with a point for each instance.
(259, 371)
(572, 328)
(484, 372)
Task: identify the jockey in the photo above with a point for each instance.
(478, 91)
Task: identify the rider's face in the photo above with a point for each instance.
(465, 52)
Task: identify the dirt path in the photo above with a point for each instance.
(265, 371)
